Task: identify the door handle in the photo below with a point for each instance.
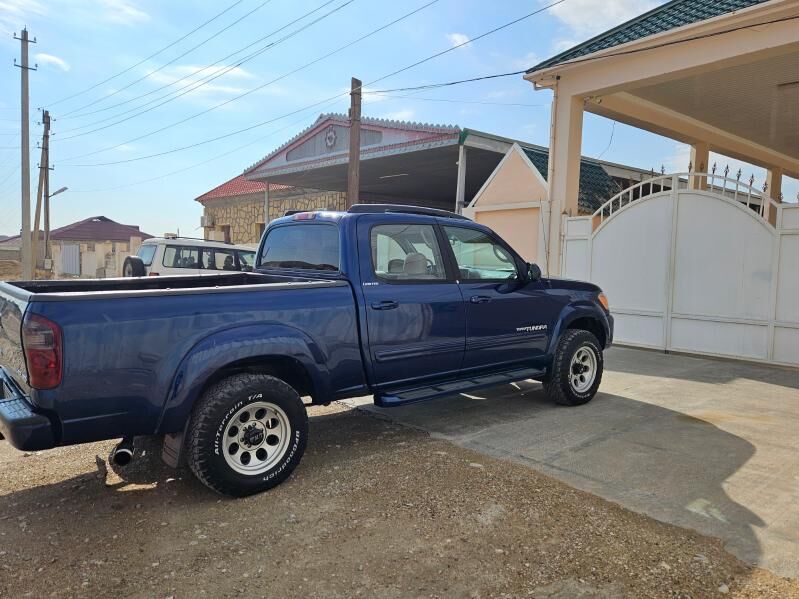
(385, 305)
(479, 299)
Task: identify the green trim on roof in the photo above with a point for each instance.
(596, 185)
(671, 15)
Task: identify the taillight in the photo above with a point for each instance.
(41, 339)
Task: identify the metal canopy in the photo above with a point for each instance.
(427, 176)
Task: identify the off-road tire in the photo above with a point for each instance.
(133, 267)
(558, 386)
(213, 412)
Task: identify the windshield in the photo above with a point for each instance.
(303, 246)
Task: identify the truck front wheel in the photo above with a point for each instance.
(576, 369)
(247, 434)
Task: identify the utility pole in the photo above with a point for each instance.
(43, 190)
(354, 163)
(25, 235)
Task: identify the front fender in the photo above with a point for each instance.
(224, 348)
(570, 313)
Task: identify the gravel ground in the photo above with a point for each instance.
(374, 510)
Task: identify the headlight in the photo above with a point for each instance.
(603, 299)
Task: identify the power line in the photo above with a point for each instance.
(193, 166)
(11, 174)
(454, 100)
(166, 64)
(292, 113)
(172, 83)
(610, 141)
(180, 39)
(203, 81)
(251, 91)
(331, 99)
(446, 83)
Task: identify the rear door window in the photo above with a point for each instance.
(301, 246)
(181, 257)
(406, 253)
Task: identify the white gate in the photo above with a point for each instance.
(712, 272)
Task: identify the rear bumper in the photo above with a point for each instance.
(19, 424)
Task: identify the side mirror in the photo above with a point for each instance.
(533, 272)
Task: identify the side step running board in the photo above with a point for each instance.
(405, 396)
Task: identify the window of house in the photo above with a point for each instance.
(303, 246)
(406, 253)
(480, 257)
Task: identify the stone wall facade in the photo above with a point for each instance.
(243, 216)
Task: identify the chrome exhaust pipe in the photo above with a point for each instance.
(122, 454)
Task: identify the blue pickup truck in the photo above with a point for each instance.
(402, 303)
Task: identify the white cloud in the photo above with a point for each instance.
(586, 18)
(15, 13)
(563, 44)
(400, 115)
(528, 60)
(123, 12)
(457, 39)
(51, 60)
(186, 76)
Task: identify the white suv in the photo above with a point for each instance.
(185, 256)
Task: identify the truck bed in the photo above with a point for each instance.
(130, 346)
(74, 288)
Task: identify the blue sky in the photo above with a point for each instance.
(83, 42)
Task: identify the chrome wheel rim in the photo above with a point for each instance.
(256, 438)
(128, 271)
(582, 371)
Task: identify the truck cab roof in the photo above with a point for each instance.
(357, 209)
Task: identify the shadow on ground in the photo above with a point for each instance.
(648, 458)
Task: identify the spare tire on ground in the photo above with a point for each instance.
(133, 267)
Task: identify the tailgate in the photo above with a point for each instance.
(13, 302)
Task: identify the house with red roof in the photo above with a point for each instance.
(93, 247)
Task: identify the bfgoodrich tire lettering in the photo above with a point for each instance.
(575, 347)
(210, 428)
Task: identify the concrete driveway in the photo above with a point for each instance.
(706, 444)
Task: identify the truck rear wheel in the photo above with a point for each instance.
(247, 434)
(576, 369)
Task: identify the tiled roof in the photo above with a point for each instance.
(98, 228)
(237, 186)
(671, 15)
(95, 228)
(596, 185)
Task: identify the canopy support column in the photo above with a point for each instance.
(566, 138)
(460, 191)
